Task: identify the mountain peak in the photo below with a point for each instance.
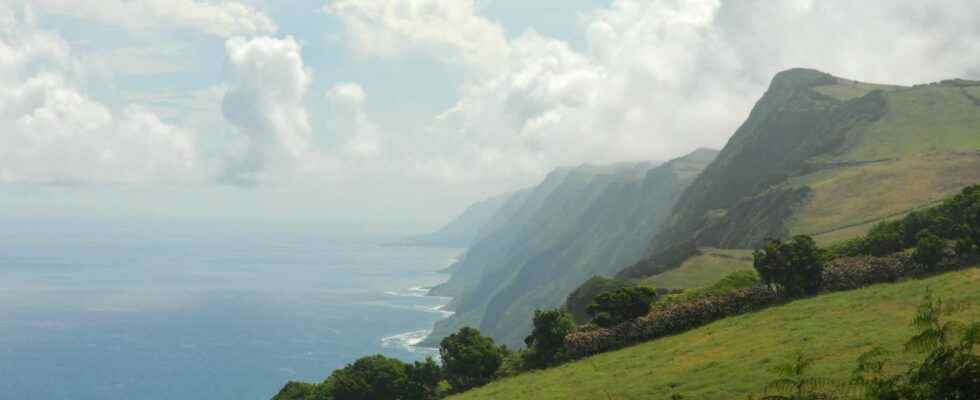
(798, 78)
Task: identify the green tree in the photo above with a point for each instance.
(546, 343)
(621, 305)
(929, 249)
(885, 238)
(370, 378)
(470, 359)
(423, 378)
(793, 268)
(296, 391)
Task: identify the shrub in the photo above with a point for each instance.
(792, 267)
(885, 238)
(618, 306)
(470, 359)
(668, 319)
(965, 247)
(296, 391)
(929, 249)
(578, 301)
(546, 343)
(856, 272)
(423, 380)
(369, 378)
(849, 248)
(950, 369)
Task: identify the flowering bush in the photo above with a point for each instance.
(669, 319)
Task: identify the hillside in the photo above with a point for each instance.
(722, 361)
(828, 157)
(463, 230)
(579, 222)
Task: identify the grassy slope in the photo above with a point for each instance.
(929, 135)
(703, 269)
(734, 357)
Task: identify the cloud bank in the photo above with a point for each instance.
(656, 79)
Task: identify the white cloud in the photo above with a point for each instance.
(658, 77)
(447, 29)
(55, 134)
(223, 18)
(348, 120)
(267, 84)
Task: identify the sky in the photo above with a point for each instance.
(396, 114)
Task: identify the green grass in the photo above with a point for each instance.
(846, 90)
(857, 195)
(922, 119)
(702, 270)
(734, 357)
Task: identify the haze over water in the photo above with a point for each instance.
(219, 312)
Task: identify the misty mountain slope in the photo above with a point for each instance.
(593, 220)
(463, 230)
(818, 155)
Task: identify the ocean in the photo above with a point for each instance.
(129, 311)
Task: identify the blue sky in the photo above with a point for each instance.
(399, 113)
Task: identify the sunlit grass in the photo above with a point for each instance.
(734, 357)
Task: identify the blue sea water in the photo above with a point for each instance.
(201, 312)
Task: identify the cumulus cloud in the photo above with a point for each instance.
(224, 18)
(267, 84)
(361, 137)
(447, 29)
(55, 134)
(657, 78)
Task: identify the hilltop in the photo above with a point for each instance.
(828, 157)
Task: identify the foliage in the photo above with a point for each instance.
(792, 268)
(618, 306)
(731, 358)
(546, 343)
(929, 249)
(795, 383)
(668, 319)
(296, 391)
(470, 359)
(885, 238)
(849, 248)
(849, 273)
(733, 281)
(579, 300)
(370, 378)
(423, 380)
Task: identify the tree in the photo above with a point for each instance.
(885, 238)
(370, 378)
(928, 249)
(470, 359)
(793, 268)
(621, 305)
(546, 343)
(423, 380)
(296, 391)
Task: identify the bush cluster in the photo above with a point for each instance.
(847, 273)
(669, 319)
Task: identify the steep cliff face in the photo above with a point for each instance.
(463, 230)
(819, 152)
(578, 223)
